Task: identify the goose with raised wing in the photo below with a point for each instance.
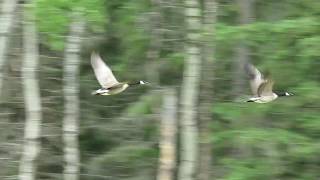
(110, 85)
(261, 87)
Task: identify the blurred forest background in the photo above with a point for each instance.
(188, 123)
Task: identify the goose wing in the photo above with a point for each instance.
(265, 89)
(256, 78)
(103, 73)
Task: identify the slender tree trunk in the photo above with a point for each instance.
(71, 99)
(6, 21)
(32, 98)
(206, 91)
(153, 53)
(167, 161)
(190, 92)
(9, 148)
(242, 51)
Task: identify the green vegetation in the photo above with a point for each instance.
(281, 138)
(119, 134)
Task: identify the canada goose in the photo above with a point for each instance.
(106, 79)
(261, 87)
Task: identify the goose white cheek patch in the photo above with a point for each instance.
(141, 82)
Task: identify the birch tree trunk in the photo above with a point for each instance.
(168, 128)
(32, 98)
(206, 91)
(6, 21)
(190, 92)
(242, 50)
(71, 99)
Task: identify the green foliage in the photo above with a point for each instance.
(144, 106)
(124, 162)
(172, 66)
(94, 141)
(278, 140)
(250, 141)
(53, 18)
(265, 31)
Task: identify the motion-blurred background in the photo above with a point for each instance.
(190, 123)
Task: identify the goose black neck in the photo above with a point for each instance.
(134, 83)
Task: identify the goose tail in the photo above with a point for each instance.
(94, 93)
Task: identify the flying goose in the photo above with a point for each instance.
(261, 87)
(106, 79)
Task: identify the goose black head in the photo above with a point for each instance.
(141, 82)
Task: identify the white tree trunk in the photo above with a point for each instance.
(168, 128)
(71, 91)
(6, 21)
(32, 98)
(190, 92)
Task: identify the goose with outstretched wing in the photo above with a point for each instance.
(110, 85)
(261, 87)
